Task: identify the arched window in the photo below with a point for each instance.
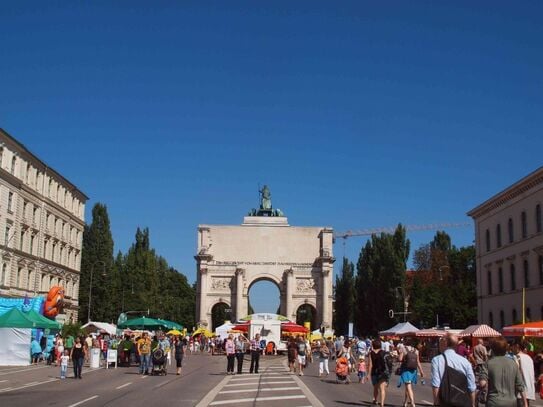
(491, 319)
(487, 239)
(489, 277)
(498, 235)
(526, 269)
(510, 230)
(524, 225)
(502, 319)
(538, 226)
(514, 315)
(500, 280)
(18, 277)
(44, 285)
(513, 277)
(50, 188)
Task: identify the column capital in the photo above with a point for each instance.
(240, 272)
(289, 272)
(203, 270)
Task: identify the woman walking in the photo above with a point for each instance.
(502, 378)
(324, 356)
(292, 352)
(378, 372)
(77, 355)
(230, 349)
(179, 347)
(409, 365)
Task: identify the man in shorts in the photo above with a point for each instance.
(302, 351)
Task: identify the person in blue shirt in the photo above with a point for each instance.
(36, 350)
(447, 345)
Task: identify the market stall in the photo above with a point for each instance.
(531, 329)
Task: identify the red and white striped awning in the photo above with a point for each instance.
(430, 333)
(480, 331)
(533, 329)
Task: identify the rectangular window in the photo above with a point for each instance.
(513, 278)
(500, 280)
(18, 282)
(6, 235)
(540, 264)
(524, 224)
(502, 318)
(21, 240)
(499, 235)
(10, 202)
(538, 225)
(526, 274)
(490, 319)
(489, 277)
(487, 239)
(510, 231)
(31, 249)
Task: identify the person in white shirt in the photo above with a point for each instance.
(526, 366)
(385, 345)
(64, 364)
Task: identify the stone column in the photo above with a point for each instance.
(203, 297)
(326, 310)
(240, 273)
(289, 292)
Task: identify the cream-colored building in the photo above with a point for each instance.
(299, 260)
(509, 246)
(41, 227)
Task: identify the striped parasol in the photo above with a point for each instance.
(479, 331)
(532, 329)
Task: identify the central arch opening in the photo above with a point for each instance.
(264, 296)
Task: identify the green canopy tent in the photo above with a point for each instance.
(16, 318)
(170, 324)
(142, 323)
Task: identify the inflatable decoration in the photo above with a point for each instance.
(35, 303)
(54, 302)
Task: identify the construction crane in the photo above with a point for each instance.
(391, 229)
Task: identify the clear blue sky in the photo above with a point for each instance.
(356, 114)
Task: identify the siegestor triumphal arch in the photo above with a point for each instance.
(299, 260)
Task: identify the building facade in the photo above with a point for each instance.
(299, 260)
(509, 246)
(41, 227)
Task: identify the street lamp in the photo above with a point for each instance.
(90, 285)
(441, 268)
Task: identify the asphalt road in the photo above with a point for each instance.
(203, 383)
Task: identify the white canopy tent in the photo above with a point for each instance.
(222, 331)
(401, 328)
(104, 327)
(15, 349)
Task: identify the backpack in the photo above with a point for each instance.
(410, 360)
(382, 364)
(453, 390)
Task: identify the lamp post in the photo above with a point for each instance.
(90, 286)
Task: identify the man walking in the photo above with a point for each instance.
(239, 344)
(255, 354)
(447, 347)
(144, 350)
(526, 366)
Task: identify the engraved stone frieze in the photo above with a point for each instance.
(220, 283)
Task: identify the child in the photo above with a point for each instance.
(64, 364)
(361, 369)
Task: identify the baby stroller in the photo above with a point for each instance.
(342, 370)
(159, 358)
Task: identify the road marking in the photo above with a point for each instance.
(144, 377)
(124, 385)
(252, 384)
(26, 385)
(427, 402)
(29, 369)
(2, 381)
(313, 400)
(250, 390)
(254, 399)
(213, 393)
(83, 401)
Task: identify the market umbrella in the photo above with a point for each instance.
(244, 327)
(479, 331)
(16, 318)
(202, 331)
(170, 324)
(533, 329)
(291, 327)
(142, 323)
(174, 332)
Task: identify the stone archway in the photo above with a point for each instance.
(307, 312)
(298, 260)
(277, 283)
(220, 312)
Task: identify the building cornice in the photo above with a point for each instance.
(25, 153)
(525, 184)
(9, 252)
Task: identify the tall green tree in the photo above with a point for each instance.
(380, 272)
(97, 260)
(344, 297)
